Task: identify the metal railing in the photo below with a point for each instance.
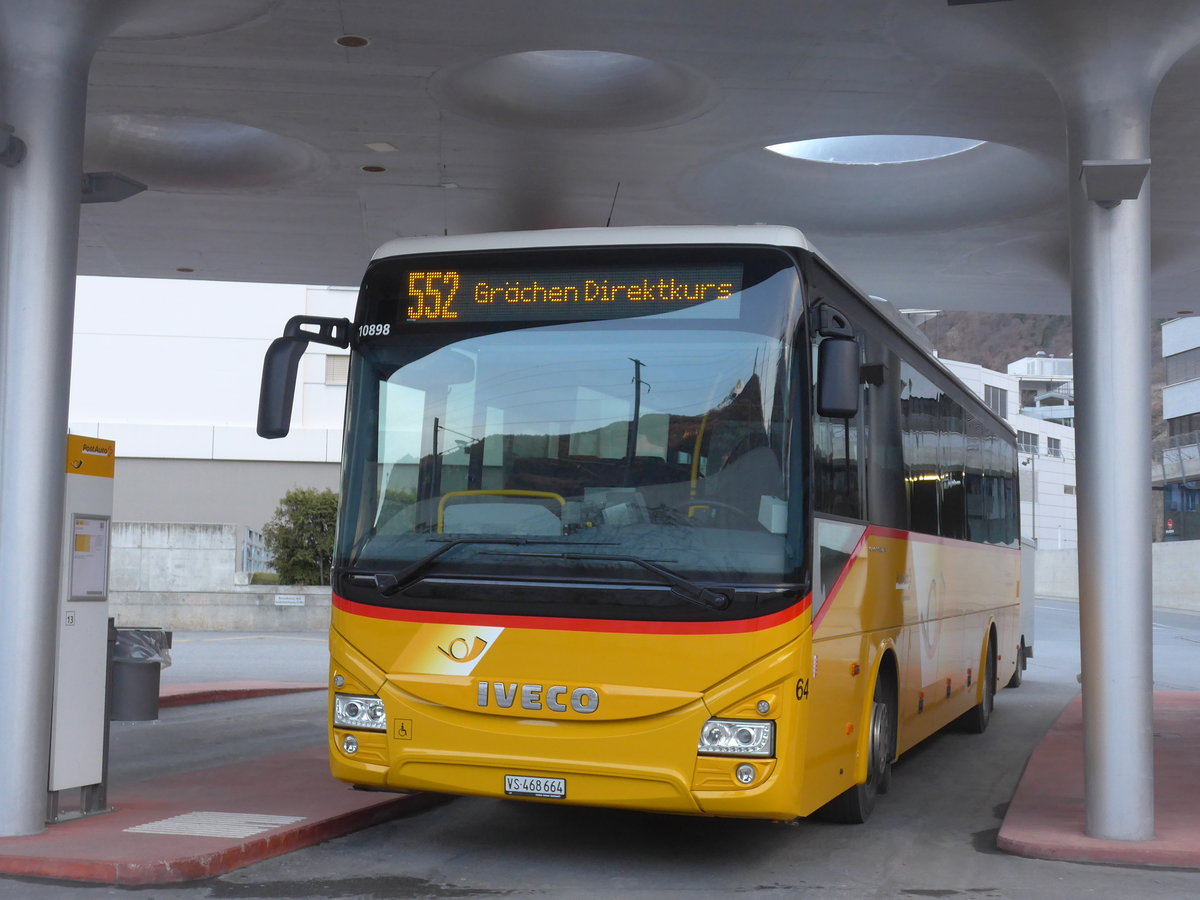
(254, 556)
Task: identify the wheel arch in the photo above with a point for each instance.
(991, 636)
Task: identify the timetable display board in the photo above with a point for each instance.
(89, 557)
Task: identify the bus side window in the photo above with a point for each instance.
(976, 482)
(886, 489)
(952, 515)
(919, 410)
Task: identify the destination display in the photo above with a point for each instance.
(496, 295)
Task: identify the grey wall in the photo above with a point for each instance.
(166, 557)
(1176, 575)
(200, 490)
(240, 609)
(184, 578)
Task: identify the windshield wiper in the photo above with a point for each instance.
(390, 583)
(688, 590)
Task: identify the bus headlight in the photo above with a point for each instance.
(356, 711)
(735, 737)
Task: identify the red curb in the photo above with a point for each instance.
(1046, 818)
(101, 849)
(219, 691)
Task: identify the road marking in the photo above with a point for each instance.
(216, 824)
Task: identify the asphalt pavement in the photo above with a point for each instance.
(933, 835)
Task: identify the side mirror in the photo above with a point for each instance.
(837, 377)
(278, 389)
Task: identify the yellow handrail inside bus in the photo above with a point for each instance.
(696, 455)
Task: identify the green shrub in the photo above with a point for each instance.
(299, 536)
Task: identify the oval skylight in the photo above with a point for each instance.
(875, 149)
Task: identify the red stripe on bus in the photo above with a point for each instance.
(552, 623)
(842, 575)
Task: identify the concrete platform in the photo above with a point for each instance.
(1045, 819)
(198, 824)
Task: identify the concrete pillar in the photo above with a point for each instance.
(1110, 287)
(1106, 59)
(46, 47)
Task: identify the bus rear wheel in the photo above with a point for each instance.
(975, 720)
(1022, 655)
(854, 805)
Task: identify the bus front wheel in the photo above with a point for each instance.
(854, 805)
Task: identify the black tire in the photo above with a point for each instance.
(1018, 673)
(854, 806)
(975, 720)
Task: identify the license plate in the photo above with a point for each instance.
(535, 786)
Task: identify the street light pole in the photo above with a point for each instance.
(1033, 494)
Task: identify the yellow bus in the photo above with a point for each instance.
(668, 519)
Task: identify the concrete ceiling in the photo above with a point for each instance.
(257, 135)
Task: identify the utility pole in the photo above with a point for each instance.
(631, 448)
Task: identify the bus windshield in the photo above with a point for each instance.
(559, 451)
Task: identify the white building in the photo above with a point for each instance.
(171, 372)
(1047, 387)
(1177, 471)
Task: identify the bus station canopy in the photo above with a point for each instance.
(284, 140)
(945, 154)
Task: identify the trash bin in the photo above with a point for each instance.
(139, 656)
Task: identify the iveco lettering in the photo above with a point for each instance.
(557, 697)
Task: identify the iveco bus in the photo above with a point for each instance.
(669, 519)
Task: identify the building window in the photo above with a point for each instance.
(1053, 447)
(996, 399)
(337, 368)
(1069, 489)
(1181, 425)
(1027, 442)
(1183, 366)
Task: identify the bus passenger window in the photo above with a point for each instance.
(919, 409)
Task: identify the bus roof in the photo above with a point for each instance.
(765, 235)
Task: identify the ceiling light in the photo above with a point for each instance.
(380, 146)
(353, 41)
